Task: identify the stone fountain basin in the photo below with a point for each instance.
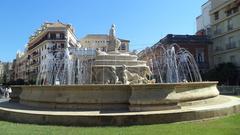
(150, 97)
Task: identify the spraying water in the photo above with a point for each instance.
(172, 64)
(175, 64)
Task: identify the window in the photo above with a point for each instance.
(230, 40)
(62, 36)
(231, 44)
(216, 15)
(219, 60)
(217, 30)
(58, 35)
(200, 55)
(62, 45)
(123, 47)
(232, 11)
(232, 59)
(230, 24)
(229, 12)
(235, 9)
(52, 36)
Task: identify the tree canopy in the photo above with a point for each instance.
(224, 73)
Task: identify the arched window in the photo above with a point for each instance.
(123, 47)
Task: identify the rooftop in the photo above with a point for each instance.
(171, 38)
(47, 25)
(96, 35)
(102, 36)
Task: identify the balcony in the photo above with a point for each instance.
(35, 54)
(230, 27)
(34, 62)
(232, 11)
(55, 49)
(218, 49)
(217, 32)
(48, 38)
(231, 46)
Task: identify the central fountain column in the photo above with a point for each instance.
(114, 67)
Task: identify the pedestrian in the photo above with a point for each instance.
(4, 91)
(8, 90)
(1, 92)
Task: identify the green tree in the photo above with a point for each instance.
(4, 78)
(224, 73)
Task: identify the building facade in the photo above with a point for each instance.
(203, 21)
(20, 66)
(225, 23)
(102, 41)
(196, 45)
(48, 42)
(6, 72)
(1, 71)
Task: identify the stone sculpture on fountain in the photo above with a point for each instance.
(134, 78)
(114, 43)
(115, 67)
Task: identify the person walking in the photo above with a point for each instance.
(1, 92)
(8, 90)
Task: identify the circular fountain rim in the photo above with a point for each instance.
(96, 118)
(154, 84)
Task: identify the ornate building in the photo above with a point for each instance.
(1, 71)
(6, 72)
(48, 42)
(203, 20)
(196, 45)
(102, 41)
(20, 66)
(225, 22)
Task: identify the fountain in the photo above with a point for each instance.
(115, 88)
(175, 65)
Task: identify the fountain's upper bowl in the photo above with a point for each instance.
(118, 59)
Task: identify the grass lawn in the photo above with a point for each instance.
(223, 126)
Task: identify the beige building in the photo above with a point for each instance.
(20, 66)
(102, 41)
(225, 23)
(48, 42)
(5, 72)
(203, 21)
(1, 71)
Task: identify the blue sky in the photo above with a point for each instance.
(143, 22)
